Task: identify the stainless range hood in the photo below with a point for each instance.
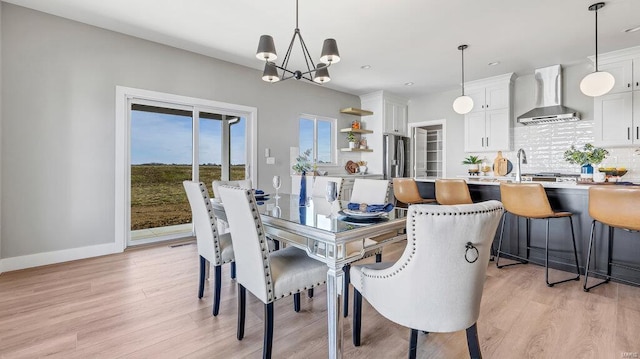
(549, 99)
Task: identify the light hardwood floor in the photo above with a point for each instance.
(143, 304)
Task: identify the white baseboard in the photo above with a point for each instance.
(45, 258)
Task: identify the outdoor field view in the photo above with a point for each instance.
(162, 157)
(157, 195)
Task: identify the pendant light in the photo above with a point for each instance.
(463, 104)
(597, 83)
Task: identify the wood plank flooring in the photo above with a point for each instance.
(143, 304)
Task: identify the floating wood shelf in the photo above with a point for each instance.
(356, 150)
(355, 130)
(356, 111)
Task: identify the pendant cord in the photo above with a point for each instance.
(463, 72)
(596, 40)
(297, 14)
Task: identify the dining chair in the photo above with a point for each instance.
(268, 276)
(213, 247)
(436, 285)
(319, 188)
(452, 191)
(406, 191)
(370, 191)
(223, 226)
(245, 183)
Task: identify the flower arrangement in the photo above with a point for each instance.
(303, 162)
(588, 155)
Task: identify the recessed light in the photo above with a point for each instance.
(408, 83)
(365, 67)
(632, 29)
(495, 63)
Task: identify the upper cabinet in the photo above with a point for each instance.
(395, 117)
(488, 125)
(617, 114)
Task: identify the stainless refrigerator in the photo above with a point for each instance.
(395, 152)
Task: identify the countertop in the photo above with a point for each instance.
(495, 181)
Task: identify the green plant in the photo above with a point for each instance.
(351, 137)
(472, 160)
(588, 155)
(303, 162)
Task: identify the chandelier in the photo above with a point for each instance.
(319, 74)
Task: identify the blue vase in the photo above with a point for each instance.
(303, 189)
(586, 171)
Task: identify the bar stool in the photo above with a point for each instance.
(406, 191)
(616, 207)
(529, 200)
(452, 191)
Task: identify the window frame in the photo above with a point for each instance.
(334, 137)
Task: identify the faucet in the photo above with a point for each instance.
(522, 159)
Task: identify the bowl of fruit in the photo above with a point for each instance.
(613, 171)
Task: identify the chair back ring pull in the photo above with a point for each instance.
(474, 253)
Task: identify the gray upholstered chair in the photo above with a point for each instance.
(436, 285)
(268, 276)
(213, 247)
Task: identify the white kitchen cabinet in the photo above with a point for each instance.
(617, 114)
(487, 131)
(622, 72)
(617, 119)
(488, 125)
(395, 117)
(489, 98)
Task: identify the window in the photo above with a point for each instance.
(318, 134)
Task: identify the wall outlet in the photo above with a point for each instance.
(271, 160)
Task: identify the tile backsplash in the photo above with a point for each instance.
(545, 144)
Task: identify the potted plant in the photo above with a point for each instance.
(303, 162)
(353, 143)
(473, 162)
(588, 156)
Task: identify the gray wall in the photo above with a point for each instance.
(439, 106)
(58, 144)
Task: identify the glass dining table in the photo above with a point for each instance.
(329, 234)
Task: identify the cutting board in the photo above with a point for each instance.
(500, 165)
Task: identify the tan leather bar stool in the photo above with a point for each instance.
(452, 191)
(529, 200)
(406, 191)
(617, 207)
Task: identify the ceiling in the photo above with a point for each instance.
(402, 40)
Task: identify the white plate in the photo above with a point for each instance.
(358, 214)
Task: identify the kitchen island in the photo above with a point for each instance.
(563, 196)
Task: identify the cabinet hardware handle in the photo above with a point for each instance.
(628, 133)
(487, 106)
(487, 141)
(637, 84)
(637, 132)
(482, 141)
(628, 85)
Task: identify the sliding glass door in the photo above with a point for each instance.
(170, 143)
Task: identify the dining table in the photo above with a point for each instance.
(328, 232)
